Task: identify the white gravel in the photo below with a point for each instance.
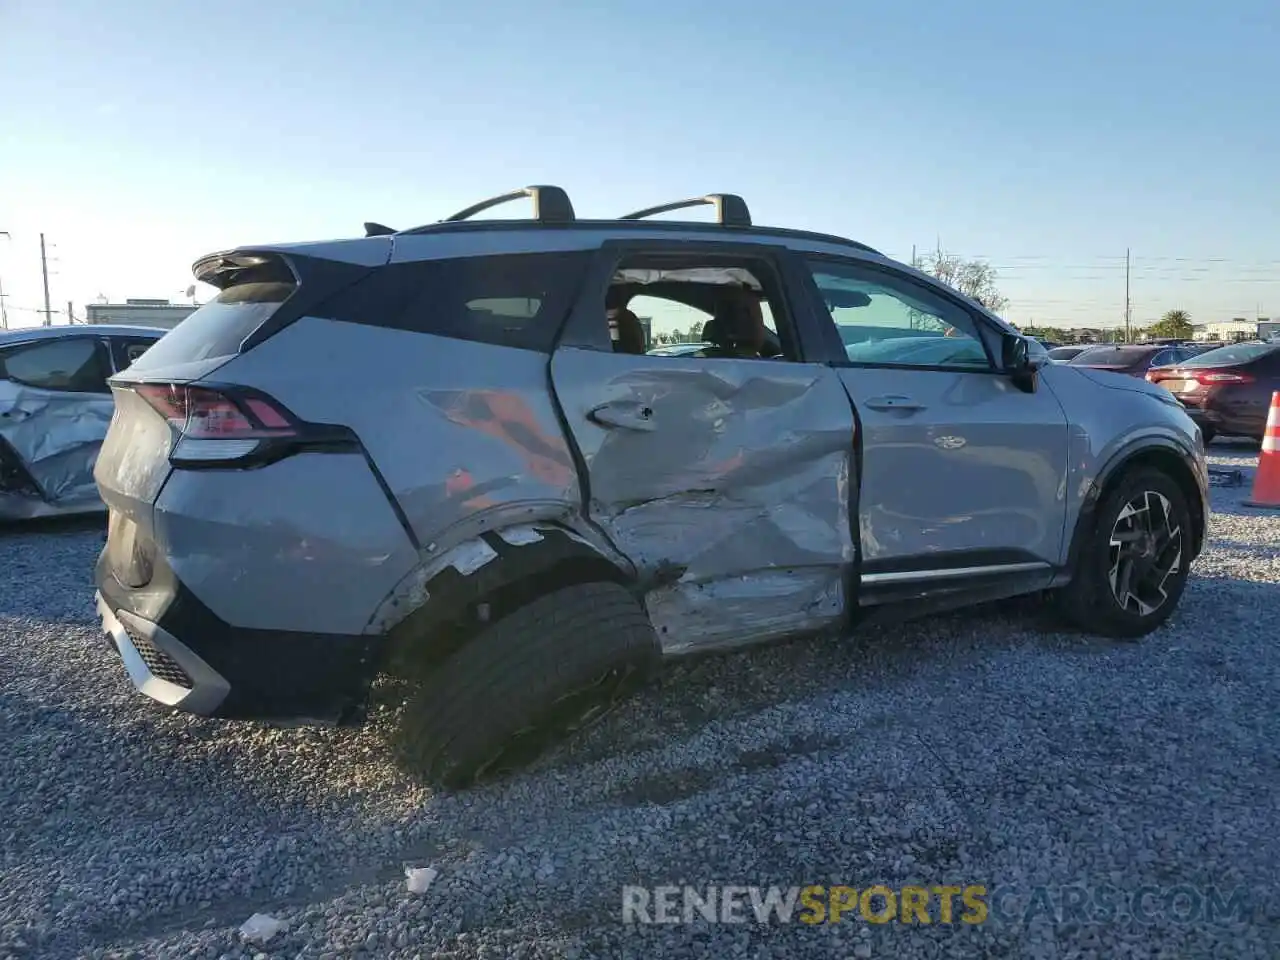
(975, 749)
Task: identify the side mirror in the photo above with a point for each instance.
(1018, 361)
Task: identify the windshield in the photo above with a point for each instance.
(1234, 354)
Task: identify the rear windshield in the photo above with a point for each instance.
(219, 327)
(1232, 355)
(1120, 356)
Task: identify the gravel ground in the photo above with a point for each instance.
(975, 749)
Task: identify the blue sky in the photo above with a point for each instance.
(1047, 138)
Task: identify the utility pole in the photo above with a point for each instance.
(1128, 334)
(4, 311)
(71, 317)
(44, 272)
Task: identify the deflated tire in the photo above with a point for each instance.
(535, 676)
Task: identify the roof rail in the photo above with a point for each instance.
(550, 205)
(731, 209)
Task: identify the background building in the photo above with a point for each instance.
(142, 313)
(1228, 331)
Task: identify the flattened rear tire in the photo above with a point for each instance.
(535, 676)
(1143, 523)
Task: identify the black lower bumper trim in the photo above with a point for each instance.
(273, 674)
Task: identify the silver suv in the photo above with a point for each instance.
(448, 453)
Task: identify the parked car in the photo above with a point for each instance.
(1063, 354)
(54, 409)
(421, 452)
(1132, 359)
(1227, 389)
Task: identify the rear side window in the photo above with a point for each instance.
(219, 327)
(517, 300)
(73, 365)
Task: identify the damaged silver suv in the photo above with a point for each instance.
(448, 453)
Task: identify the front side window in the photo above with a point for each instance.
(73, 365)
(887, 320)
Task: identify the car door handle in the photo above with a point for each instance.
(628, 416)
(893, 402)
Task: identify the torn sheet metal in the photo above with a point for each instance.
(55, 438)
(739, 473)
(691, 617)
(474, 553)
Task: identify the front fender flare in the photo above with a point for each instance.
(1192, 475)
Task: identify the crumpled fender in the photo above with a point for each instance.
(446, 581)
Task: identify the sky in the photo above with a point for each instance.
(1045, 138)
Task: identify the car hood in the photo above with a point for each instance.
(1121, 381)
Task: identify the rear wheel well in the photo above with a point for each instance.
(461, 606)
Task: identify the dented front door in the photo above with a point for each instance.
(725, 481)
(54, 412)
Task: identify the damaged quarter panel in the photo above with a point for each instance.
(52, 441)
(726, 483)
(306, 544)
(463, 434)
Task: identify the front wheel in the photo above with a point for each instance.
(1133, 565)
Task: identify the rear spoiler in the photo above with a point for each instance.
(224, 270)
(230, 267)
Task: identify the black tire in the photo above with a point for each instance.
(1090, 601)
(539, 673)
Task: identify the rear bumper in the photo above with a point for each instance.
(160, 666)
(177, 652)
(1223, 416)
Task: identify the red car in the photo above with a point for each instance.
(1227, 390)
(1134, 360)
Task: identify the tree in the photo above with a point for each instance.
(1056, 334)
(974, 278)
(1174, 325)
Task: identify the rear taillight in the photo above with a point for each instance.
(1218, 376)
(213, 427)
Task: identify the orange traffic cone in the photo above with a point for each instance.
(1266, 482)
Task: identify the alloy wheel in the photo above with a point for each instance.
(1145, 553)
